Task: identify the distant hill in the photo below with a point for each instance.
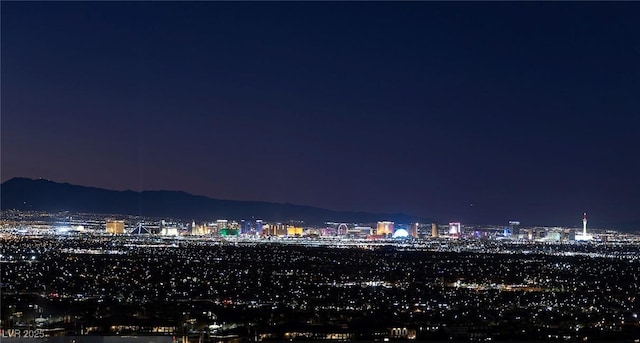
(45, 195)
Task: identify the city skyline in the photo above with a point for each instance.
(471, 112)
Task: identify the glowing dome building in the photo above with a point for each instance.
(401, 233)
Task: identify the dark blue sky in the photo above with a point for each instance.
(528, 111)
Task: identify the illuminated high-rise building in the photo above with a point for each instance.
(281, 229)
(245, 226)
(414, 230)
(455, 229)
(565, 234)
(115, 227)
(512, 229)
(434, 230)
(268, 230)
(294, 231)
(198, 230)
(384, 228)
(275, 229)
(221, 224)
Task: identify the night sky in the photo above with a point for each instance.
(477, 112)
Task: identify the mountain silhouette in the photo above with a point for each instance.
(44, 195)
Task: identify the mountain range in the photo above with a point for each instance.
(45, 195)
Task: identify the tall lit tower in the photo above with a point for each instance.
(583, 236)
